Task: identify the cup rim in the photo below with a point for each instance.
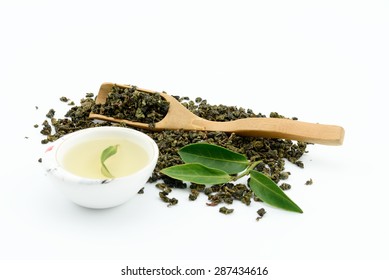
(53, 166)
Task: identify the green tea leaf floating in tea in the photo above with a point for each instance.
(214, 156)
(264, 188)
(106, 154)
(197, 173)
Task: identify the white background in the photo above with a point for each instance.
(322, 61)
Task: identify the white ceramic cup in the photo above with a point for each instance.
(98, 193)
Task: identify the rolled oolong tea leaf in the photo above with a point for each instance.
(261, 212)
(106, 154)
(269, 192)
(225, 210)
(214, 156)
(309, 182)
(197, 173)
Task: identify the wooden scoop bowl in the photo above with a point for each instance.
(179, 117)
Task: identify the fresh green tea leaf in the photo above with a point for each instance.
(106, 154)
(105, 171)
(269, 192)
(197, 173)
(214, 156)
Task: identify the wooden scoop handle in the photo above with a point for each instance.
(280, 128)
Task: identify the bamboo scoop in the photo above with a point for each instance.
(178, 117)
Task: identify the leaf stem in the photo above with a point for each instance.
(246, 171)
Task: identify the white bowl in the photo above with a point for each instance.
(98, 193)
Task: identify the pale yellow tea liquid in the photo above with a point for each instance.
(84, 159)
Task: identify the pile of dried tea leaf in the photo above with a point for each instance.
(75, 119)
(133, 105)
(138, 106)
